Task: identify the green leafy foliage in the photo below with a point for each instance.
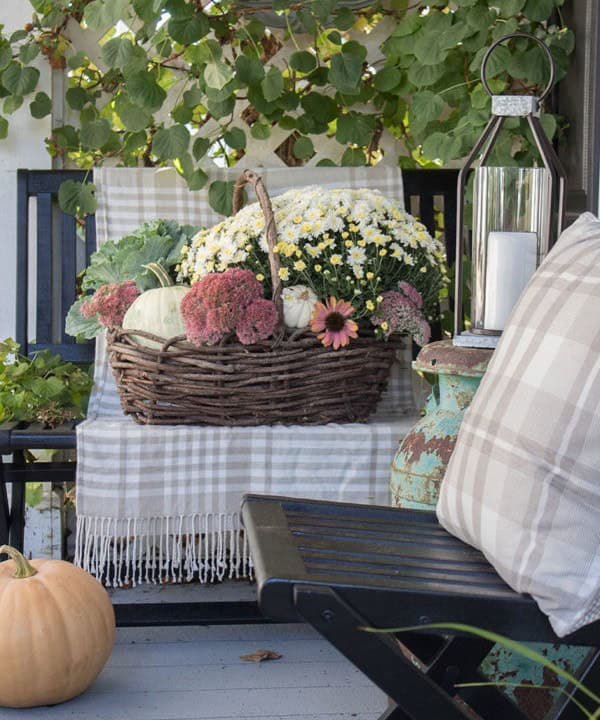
(95, 134)
(303, 148)
(355, 128)
(101, 14)
(41, 105)
(77, 325)
(20, 80)
(272, 84)
(77, 198)
(345, 73)
(171, 143)
(156, 241)
(303, 61)
(235, 138)
(144, 90)
(217, 75)
(220, 195)
(43, 388)
(181, 82)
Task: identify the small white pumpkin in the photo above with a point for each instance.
(298, 305)
(156, 311)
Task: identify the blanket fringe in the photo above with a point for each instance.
(126, 552)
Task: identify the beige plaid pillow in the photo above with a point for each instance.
(523, 483)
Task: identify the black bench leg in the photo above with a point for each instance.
(393, 712)
(378, 656)
(4, 508)
(589, 675)
(17, 505)
(458, 662)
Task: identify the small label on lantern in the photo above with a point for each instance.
(511, 261)
(515, 105)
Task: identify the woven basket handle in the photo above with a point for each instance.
(251, 178)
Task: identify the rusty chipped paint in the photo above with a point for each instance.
(502, 665)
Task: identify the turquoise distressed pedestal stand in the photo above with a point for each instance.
(421, 460)
(417, 472)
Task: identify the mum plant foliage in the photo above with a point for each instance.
(183, 82)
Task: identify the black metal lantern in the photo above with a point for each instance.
(518, 213)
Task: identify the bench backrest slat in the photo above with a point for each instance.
(68, 269)
(427, 192)
(44, 266)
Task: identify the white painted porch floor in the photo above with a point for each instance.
(195, 673)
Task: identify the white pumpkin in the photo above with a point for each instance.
(298, 305)
(156, 311)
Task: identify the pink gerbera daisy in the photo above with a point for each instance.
(331, 320)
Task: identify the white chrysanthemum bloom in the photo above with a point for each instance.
(227, 254)
(357, 256)
(360, 211)
(396, 251)
(370, 233)
(289, 234)
(318, 228)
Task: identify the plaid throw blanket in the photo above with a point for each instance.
(158, 503)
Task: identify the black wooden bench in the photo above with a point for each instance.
(341, 567)
(62, 249)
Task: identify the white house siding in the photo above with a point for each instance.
(23, 148)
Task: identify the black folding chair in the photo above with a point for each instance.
(342, 567)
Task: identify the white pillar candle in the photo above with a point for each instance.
(511, 261)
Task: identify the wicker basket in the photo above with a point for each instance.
(291, 379)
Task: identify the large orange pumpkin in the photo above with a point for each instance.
(57, 628)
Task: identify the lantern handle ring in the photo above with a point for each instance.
(541, 43)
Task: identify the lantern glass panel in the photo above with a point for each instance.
(511, 236)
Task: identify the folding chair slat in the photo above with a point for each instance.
(392, 571)
(415, 583)
(413, 531)
(314, 554)
(391, 550)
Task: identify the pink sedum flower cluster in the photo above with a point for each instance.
(221, 304)
(402, 312)
(110, 302)
(257, 322)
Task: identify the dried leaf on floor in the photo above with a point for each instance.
(261, 655)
